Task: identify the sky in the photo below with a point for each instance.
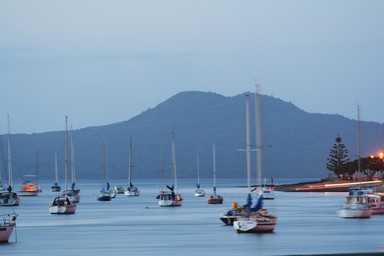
(102, 62)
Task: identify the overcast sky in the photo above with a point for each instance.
(102, 62)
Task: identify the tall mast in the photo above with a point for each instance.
(258, 135)
(358, 140)
(214, 167)
(56, 175)
(130, 162)
(198, 170)
(174, 162)
(66, 152)
(248, 142)
(37, 166)
(161, 170)
(73, 171)
(9, 156)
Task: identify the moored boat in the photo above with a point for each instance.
(256, 222)
(7, 225)
(131, 189)
(29, 186)
(250, 219)
(105, 194)
(199, 192)
(356, 205)
(171, 197)
(7, 196)
(62, 204)
(56, 187)
(215, 198)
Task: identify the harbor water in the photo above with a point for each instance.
(307, 224)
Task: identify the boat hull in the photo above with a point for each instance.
(62, 205)
(354, 213)
(258, 225)
(199, 193)
(215, 199)
(132, 193)
(9, 199)
(170, 203)
(5, 233)
(7, 225)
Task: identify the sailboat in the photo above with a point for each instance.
(199, 192)
(62, 204)
(74, 192)
(255, 219)
(215, 198)
(170, 197)
(105, 194)
(131, 190)
(8, 197)
(7, 225)
(56, 187)
(30, 185)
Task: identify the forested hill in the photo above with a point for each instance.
(295, 143)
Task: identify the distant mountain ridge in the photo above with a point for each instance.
(296, 143)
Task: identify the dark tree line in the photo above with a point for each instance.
(340, 164)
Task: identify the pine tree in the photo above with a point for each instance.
(338, 157)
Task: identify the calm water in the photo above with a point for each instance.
(308, 224)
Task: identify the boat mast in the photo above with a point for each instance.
(198, 170)
(214, 167)
(161, 170)
(248, 142)
(258, 136)
(174, 162)
(66, 153)
(9, 156)
(130, 162)
(358, 142)
(37, 166)
(73, 171)
(56, 175)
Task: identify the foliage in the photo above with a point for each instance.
(338, 159)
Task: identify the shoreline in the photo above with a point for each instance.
(330, 185)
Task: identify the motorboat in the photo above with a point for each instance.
(7, 225)
(375, 201)
(356, 205)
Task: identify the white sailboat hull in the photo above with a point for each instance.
(62, 205)
(170, 203)
(131, 193)
(255, 224)
(9, 199)
(199, 193)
